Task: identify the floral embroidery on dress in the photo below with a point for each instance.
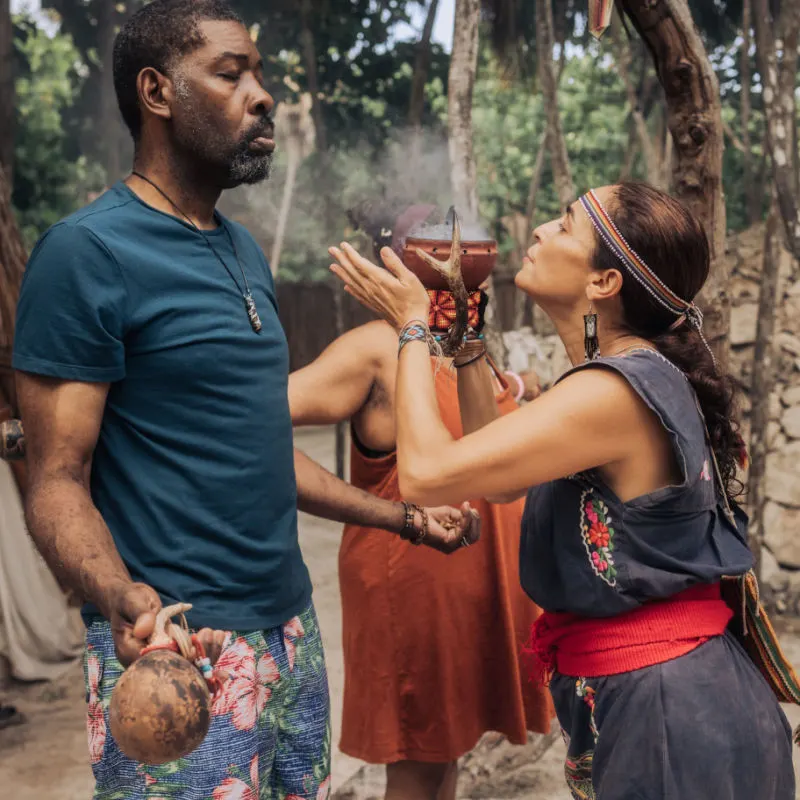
(582, 689)
(705, 474)
(578, 772)
(598, 536)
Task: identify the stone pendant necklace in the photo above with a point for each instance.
(247, 295)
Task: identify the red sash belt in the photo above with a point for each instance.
(658, 631)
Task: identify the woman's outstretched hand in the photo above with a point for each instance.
(395, 293)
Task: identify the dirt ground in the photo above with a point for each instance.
(47, 757)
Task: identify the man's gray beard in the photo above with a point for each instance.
(249, 169)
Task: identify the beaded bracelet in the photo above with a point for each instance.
(424, 531)
(408, 525)
(440, 337)
(417, 537)
(414, 331)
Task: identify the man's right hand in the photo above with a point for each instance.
(132, 612)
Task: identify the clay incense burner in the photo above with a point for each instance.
(478, 254)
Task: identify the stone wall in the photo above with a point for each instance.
(781, 554)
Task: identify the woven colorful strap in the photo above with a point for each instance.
(627, 256)
(414, 331)
(443, 310)
(752, 627)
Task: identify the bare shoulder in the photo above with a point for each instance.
(603, 379)
(599, 395)
(377, 340)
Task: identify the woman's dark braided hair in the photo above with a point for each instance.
(674, 246)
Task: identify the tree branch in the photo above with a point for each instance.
(694, 118)
(557, 146)
(422, 60)
(624, 59)
(734, 139)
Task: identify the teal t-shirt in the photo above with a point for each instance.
(194, 466)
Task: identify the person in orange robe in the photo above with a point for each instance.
(432, 645)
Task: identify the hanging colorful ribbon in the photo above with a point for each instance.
(599, 16)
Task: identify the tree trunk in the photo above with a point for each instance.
(535, 184)
(107, 102)
(779, 107)
(790, 37)
(460, 83)
(310, 58)
(12, 265)
(463, 172)
(538, 166)
(286, 205)
(624, 59)
(422, 60)
(666, 160)
(557, 146)
(763, 382)
(6, 89)
(631, 150)
(694, 117)
(752, 200)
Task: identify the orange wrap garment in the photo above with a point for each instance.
(433, 643)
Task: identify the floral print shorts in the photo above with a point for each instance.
(270, 729)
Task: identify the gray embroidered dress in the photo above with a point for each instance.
(705, 725)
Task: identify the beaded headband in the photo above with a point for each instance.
(633, 263)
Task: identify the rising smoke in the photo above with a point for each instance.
(359, 188)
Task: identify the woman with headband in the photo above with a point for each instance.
(629, 466)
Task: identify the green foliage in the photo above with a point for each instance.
(364, 80)
(509, 121)
(47, 184)
(364, 83)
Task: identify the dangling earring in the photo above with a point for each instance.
(590, 344)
